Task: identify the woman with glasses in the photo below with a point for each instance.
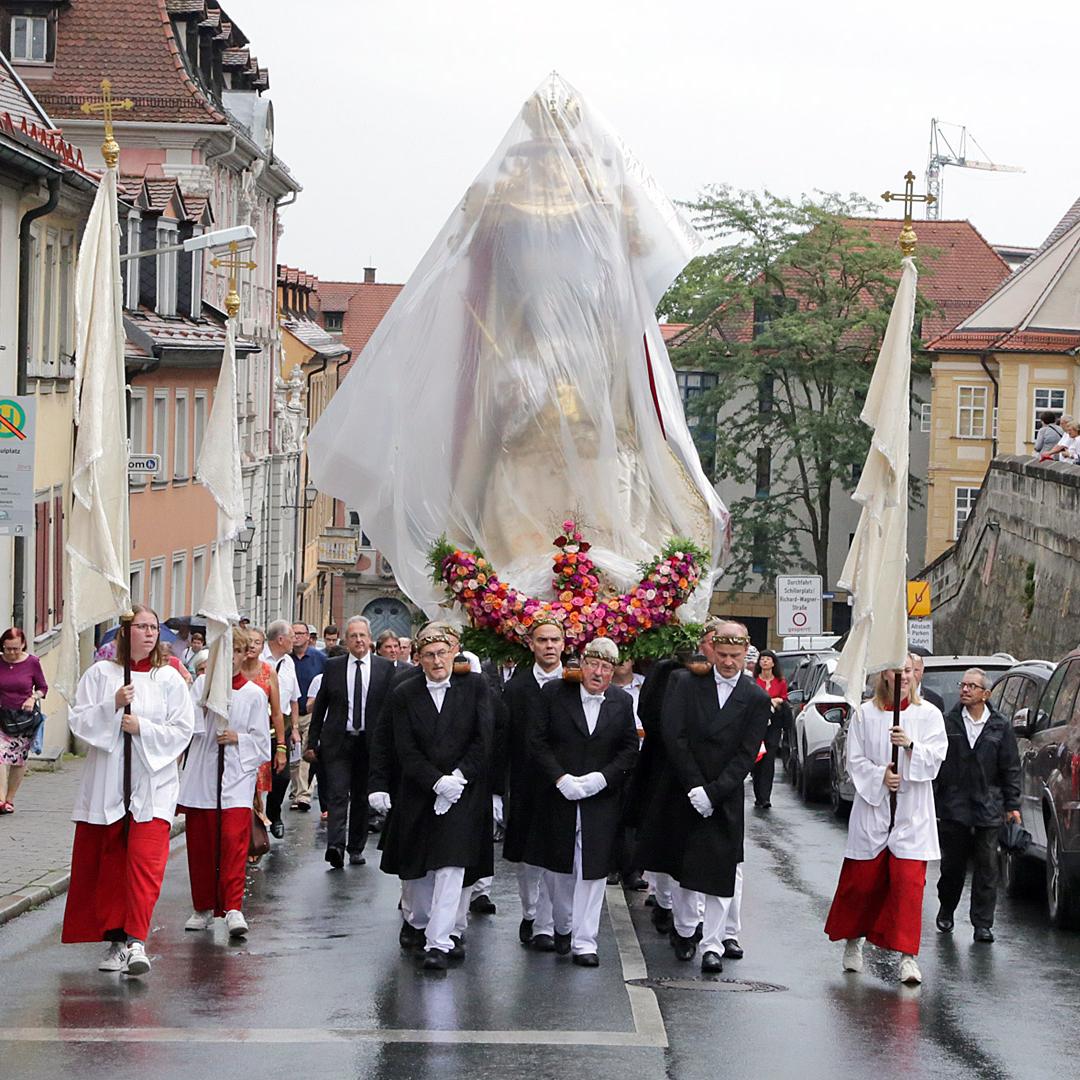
(22, 686)
(122, 829)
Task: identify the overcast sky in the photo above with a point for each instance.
(386, 111)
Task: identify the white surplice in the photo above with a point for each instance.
(869, 752)
(247, 717)
(166, 720)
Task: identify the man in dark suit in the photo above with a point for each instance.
(584, 743)
(713, 726)
(347, 708)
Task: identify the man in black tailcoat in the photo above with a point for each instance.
(347, 709)
(713, 726)
(584, 744)
(438, 839)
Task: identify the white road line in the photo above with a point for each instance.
(648, 1020)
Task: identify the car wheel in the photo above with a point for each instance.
(804, 776)
(1062, 888)
(841, 808)
(1020, 877)
(793, 766)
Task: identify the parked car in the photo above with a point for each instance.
(814, 729)
(942, 673)
(795, 668)
(1048, 735)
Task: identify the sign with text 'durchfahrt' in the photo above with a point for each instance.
(798, 605)
(16, 466)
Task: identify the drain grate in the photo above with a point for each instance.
(732, 986)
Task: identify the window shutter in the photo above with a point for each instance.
(41, 568)
(58, 560)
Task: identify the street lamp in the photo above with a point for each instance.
(247, 534)
(222, 238)
(311, 493)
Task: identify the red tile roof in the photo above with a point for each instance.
(132, 43)
(1018, 341)
(672, 330)
(364, 305)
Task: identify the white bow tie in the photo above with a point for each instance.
(594, 697)
(438, 685)
(721, 681)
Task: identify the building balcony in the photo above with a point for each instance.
(338, 548)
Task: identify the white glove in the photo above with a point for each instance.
(497, 809)
(570, 788)
(700, 801)
(450, 788)
(379, 801)
(442, 804)
(592, 783)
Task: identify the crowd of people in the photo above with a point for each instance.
(1058, 438)
(589, 771)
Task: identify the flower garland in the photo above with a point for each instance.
(579, 607)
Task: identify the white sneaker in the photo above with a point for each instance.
(236, 924)
(115, 957)
(138, 963)
(853, 955)
(909, 970)
(200, 920)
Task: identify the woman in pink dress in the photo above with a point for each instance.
(22, 684)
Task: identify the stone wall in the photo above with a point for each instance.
(1012, 580)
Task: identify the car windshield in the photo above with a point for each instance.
(943, 680)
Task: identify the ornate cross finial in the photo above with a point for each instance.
(107, 105)
(907, 233)
(234, 264)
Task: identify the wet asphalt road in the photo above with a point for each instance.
(321, 988)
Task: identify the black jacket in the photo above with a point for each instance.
(330, 714)
(521, 701)
(977, 785)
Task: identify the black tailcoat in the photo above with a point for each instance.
(430, 744)
(715, 749)
(652, 761)
(560, 743)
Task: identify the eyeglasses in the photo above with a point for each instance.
(970, 686)
(145, 626)
(438, 654)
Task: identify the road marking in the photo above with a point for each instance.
(648, 1020)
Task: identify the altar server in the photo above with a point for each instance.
(216, 791)
(119, 853)
(880, 893)
(584, 743)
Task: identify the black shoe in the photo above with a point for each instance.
(984, 935)
(586, 959)
(763, 806)
(303, 807)
(458, 951)
(699, 932)
(613, 878)
(434, 960)
(732, 949)
(409, 937)
(711, 964)
(277, 829)
(335, 857)
(562, 944)
(525, 931)
(944, 921)
(482, 905)
(685, 947)
(662, 919)
(650, 901)
(357, 860)
(543, 943)
(635, 884)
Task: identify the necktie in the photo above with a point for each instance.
(438, 685)
(358, 697)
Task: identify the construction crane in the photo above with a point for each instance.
(943, 153)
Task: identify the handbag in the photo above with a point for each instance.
(20, 722)
(259, 844)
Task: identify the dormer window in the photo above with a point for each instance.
(334, 321)
(29, 39)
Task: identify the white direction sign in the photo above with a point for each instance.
(920, 634)
(143, 464)
(798, 605)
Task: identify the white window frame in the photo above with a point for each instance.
(138, 581)
(50, 278)
(198, 578)
(181, 431)
(167, 261)
(179, 562)
(137, 431)
(161, 433)
(201, 418)
(156, 585)
(134, 246)
(196, 281)
(963, 503)
(971, 416)
(29, 24)
(66, 306)
(1051, 404)
(925, 417)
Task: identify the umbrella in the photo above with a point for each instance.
(167, 635)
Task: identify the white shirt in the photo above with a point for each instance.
(974, 727)
(288, 686)
(166, 721)
(313, 689)
(633, 688)
(591, 704)
(543, 677)
(437, 690)
(247, 717)
(725, 686)
(869, 752)
(350, 683)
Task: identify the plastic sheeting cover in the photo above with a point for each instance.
(521, 376)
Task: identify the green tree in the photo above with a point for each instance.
(788, 311)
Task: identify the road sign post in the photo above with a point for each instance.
(798, 605)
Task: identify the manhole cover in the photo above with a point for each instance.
(733, 986)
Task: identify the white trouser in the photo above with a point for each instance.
(461, 921)
(576, 903)
(660, 887)
(689, 908)
(482, 887)
(415, 916)
(733, 924)
(433, 905)
(535, 898)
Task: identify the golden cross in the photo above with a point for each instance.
(107, 105)
(234, 264)
(907, 233)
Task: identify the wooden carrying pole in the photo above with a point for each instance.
(125, 628)
(895, 748)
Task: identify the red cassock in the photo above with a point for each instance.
(115, 879)
(881, 900)
(202, 841)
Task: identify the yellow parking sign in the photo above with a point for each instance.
(918, 599)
